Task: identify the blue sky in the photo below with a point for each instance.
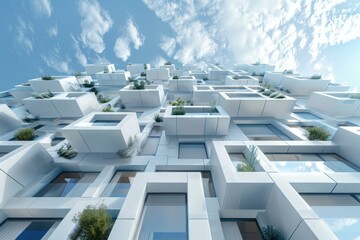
(59, 37)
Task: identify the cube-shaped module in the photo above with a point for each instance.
(115, 78)
(103, 132)
(62, 105)
(95, 68)
(56, 84)
(151, 96)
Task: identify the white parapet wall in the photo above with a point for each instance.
(348, 138)
(151, 96)
(335, 104)
(218, 75)
(91, 69)
(182, 84)
(21, 91)
(58, 84)
(337, 87)
(8, 119)
(254, 104)
(190, 67)
(237, 191)
(115, 78)
(171, 68)
(303, 86)
(157, 74)
(254, 68)
(136, 69)
(276, 78)
(63, 105)
(102, 132)
(197, 121)
(241, 80)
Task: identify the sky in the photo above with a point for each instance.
(48, 37)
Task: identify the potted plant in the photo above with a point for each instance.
(250, 163)
(178, 107)
(317, 133)
(66, 151)
(108, 108)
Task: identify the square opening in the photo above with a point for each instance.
(192, 151)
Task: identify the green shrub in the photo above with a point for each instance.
(270, 233)
(26, 84)
(139, 85)
(354, 96)
(249, 164)
(205, 78)
(274, 94)
(267, 92)
(290, 71)
(167, 63)
(92, 224)
(66, 151)
(143, 74)
(131, 149)
(315, 76)
(43, 95)
(78, 74)
(317, 133)
(179, 107)
(175, 77)
(94, 90)
(108, 108)
(102, 99)
(158, 118)
(145, 66)
(25, 134)
(280, 96)
(236, 77)
(88, 84)
(47, 77)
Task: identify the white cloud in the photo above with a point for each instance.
(80, 56)
(168, 45)
(285, 32)
(95, 23)
(53, 31)
(122, 48)
(130, 35)
(42, 7)
(54, 61)
(158, 61)
(23, 35)
(339, 224)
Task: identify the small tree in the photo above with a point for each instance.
(92, 224)
(270, 233)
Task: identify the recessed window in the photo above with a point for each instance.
(120, 184)
(262, 132)
(241, 229)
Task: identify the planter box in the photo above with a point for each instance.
(303, 86)
(151, 96)
(196, 122)
(82, 79)
(59, 84)
(102, 132)
(183, 84)
(243, 80)
(190, 67)
(218, 75)
(20, 92)
(276, 78)
(203, 95)
(334, 104)
(156, 74)
(170, 67)
(135, 69)
(116, 78)
(91, 69)
(255, 105)
(8, 119)
(198, 74)
(63, 105)
(254, 68)
(337, 87)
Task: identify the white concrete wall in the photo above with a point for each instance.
(60, 84)
(91, 69)
(155, 74)
(8, 119)
(151, 96)
(304, 86)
